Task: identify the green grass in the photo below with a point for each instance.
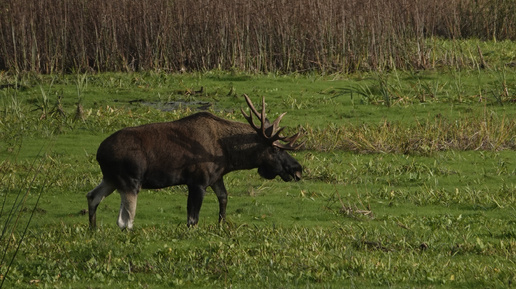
(367, 213)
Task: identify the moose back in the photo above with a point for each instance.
(196, 151)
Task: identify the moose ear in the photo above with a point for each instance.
(269, 129)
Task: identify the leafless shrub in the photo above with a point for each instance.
(267, 35)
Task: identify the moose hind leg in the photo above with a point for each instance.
(127, 210)
(94, 197)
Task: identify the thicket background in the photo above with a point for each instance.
(50, 36)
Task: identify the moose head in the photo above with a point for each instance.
(276, 161)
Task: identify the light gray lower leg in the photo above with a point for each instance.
(127, 210)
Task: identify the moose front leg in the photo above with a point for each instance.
(193, 206)
(220, 190)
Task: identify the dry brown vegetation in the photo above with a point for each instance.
(485, 133)
(267, 35)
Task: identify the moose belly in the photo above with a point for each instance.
(160, 179)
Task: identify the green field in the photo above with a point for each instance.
(409, 181)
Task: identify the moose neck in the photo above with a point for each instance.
(243, 147)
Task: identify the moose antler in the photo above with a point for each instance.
(268, 131)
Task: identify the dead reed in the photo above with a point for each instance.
(487, 133)
(329, 36)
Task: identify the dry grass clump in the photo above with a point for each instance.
(330, 35)
(422, 137)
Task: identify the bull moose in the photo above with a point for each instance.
(196, 151)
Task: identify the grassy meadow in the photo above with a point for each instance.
(409, 182)
(407, 109)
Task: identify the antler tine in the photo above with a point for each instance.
(263, 107)
(261, 117)
(275, 124)
(292, 139)
(276, 130)
(289, 145)
(251, 106)
(249, 119)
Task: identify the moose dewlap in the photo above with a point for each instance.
(196, 151)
